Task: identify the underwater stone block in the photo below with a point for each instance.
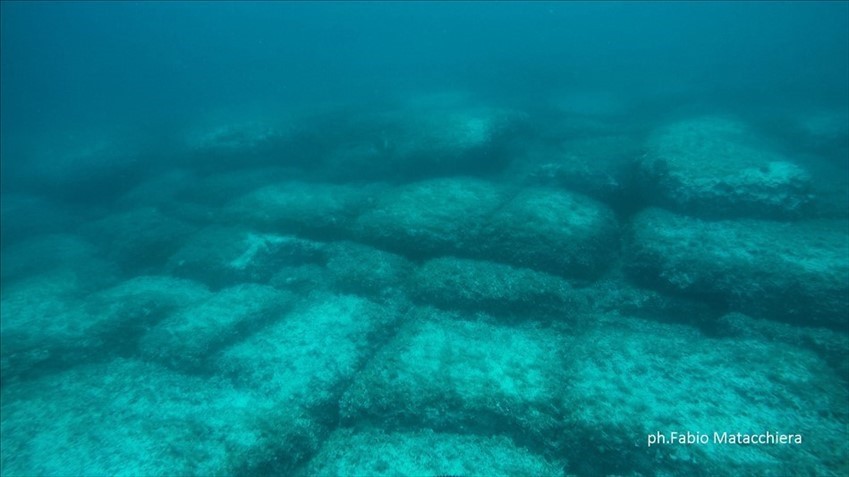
(45, 253)
(417, 141)
(445, 373)
(136, 304)
(26, 216)
(82, 167)
(49, 324)
(228, 144)
(302, 279)
(224, 256)
(831, 345)
(600, 166)
(717, 167)
(301, 365)
(218, 189)
(615, 294)
(794, 272)
(352, 452)
(37, 317)
(553, 231)
(824, 131)
(364, 270)
(140, 240)
(111, 418)
(308, 209)
(455, 283)
(186, 339)
(235, 137)
(629, 378)
(308, 358)
(431, 218)
(438, 141)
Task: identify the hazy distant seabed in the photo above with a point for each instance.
(424, 239)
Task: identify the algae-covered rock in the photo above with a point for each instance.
(554, 231)
(455, 283)
(544, 229)
(224, 256)
(630, 379)
(48, 323)
(717, 167)
(308, 358)
(140, 239)
(311, 209)
(429, 218)
(797, 272)
(349, 452)
(49, 252)
(186, 339)
(364, 270)
(111, 418)
(426, 136)
(446, 373)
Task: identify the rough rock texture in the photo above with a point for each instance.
(25, 216)
(235, 143)
(188, 338)
(797, 272)
(423, 138)
(425, 452)
(315, 210)
(431, 218)
(600, 166)
(831, 345)
(553, 231)
(140, 240)
(49, 322)
(46, 253)
(544, 229)
(224, 256)
(364, 270)
(446, 373)
(629, 378)
(499, 289)
(713, 166)
(112, 418)
(310, 356)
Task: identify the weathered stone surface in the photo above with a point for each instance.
(797, 272)
(716, 167)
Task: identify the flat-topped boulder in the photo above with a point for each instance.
(352, 452)
(444, 372)
(430, 218)
(423, 137)
(631, 379)
(476, 285)
(49, 323)
(187, 339)
(364, 270)
(545, 229)
(111, 418)
(797, 272)
(554, 231)
(140, 240)
(312, 209)
(309, 357)
(717, 167)
(225, 256)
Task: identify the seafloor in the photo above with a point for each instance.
(434, 286)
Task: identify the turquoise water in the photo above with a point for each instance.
(424, 239)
